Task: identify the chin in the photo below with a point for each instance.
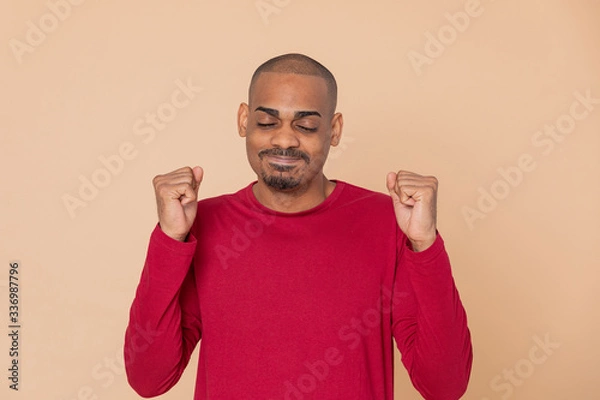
(280, 182)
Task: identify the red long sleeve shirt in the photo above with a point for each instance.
(293, 306)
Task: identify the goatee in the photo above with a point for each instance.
(279, 182)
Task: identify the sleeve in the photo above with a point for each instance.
(429, 322)
(164, 321)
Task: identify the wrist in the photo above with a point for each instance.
(423, 244)
(175, 236)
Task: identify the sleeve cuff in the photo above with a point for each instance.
(426, 256)
(167, 262)
(160, 238)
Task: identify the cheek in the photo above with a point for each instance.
(320, 149)
(251, 152)
(256, 141)
(251, 144)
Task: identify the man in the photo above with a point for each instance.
(296, 284)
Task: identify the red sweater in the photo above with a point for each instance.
(294, 306)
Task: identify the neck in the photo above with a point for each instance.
(300, 199)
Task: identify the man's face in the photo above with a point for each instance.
(289, 126)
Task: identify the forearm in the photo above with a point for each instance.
(435, 338)
(160, 335)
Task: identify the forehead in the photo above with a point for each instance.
(277, 90)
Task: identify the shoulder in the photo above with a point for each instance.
(216, 209)
(223, 199)
(220, 205)
(368, 212)
(356, 194)
(215, 201)
(365, 203)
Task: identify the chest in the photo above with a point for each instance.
(291, 276)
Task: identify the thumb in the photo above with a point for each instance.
(391, 182)
(191, 195)
(198, 175)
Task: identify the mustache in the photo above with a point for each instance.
(294, 153)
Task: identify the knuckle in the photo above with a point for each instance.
(160, 190)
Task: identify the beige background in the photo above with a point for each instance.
(528, 269)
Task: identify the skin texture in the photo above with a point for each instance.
(277, 118)
(289, 126)
(415, 206)
(176, 197)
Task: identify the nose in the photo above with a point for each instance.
(285, 137)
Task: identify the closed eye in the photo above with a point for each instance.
(306, 129)
(265, 125)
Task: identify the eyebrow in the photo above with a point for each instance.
(297, 114)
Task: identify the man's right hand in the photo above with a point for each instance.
(176, 199)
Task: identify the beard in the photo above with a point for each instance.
(278, 181)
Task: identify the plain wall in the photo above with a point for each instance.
(469, 109)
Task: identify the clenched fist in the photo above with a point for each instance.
(176, 200)
(415, 198)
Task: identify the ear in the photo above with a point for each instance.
(242, 119)
(337, 123)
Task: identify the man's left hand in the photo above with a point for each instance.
(415, 198)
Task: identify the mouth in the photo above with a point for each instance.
(281, 160)
(283, 164)
(285, 157)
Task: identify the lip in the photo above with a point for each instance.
(283, 160)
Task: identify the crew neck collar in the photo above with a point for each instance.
(337, 190)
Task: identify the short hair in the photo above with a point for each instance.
(295, 63)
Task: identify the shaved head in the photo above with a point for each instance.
(299, 64)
